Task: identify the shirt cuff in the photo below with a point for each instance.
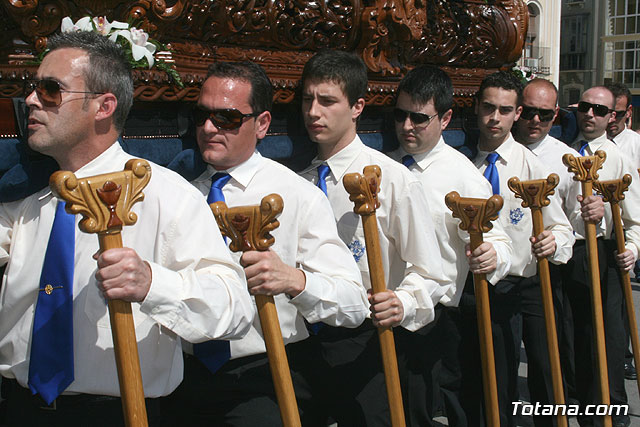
(408, 306)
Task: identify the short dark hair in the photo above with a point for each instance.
(343, 68)
(618, 90)
(261, 97)
(108, 69)
(425, 83)
(503, 80)
(543, 82)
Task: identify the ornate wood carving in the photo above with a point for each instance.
(469, 38)
(534, 193)
(105, 200)
(475, 214)
(613, 191)
(363, 189)
(249, 227)
(585, 168)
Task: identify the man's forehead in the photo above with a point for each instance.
(328, 83)
(63, 63)
(598, 94)
(499, 96)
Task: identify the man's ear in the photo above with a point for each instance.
(357, 109)
(518, 112)
(107, 104)
(446, 118)
(263, 121)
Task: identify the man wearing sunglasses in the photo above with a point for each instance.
(180, 279)
(334, 85)
(308, 270)
(626, 139)
(499, 158)
(422, 112)
(539, 110)
(595, 113)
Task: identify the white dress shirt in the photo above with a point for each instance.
(550, 151)
(410, 253)
(434, 170)
(614, 167)
(629, 143)
(197, 292)
(516, 160)
(307, 238)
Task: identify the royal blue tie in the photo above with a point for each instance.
(51, 359)
(583, 148)
(323, 172)
(215, 353)
(408, 160)
(491, 172)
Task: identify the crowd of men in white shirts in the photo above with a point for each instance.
(202, 352)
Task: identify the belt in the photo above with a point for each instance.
(11, 389)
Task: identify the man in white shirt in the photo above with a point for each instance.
(333, 85)
(595, 113)
(498, 107)
(422, 112)
(174, 268)
(626, 139)
(539, 109)
(308, 270)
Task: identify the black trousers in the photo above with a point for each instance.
(578, 288)
(85, 410)
(534, 337)
(461, 377)
(241, 394)
(343, 370)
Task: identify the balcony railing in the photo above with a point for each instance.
(536, 59)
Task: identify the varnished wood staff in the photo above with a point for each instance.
(248, 229)
(585, 170)
(475, 216)
(363, 191)
(535, 195)
(105, 203)
(613, 192)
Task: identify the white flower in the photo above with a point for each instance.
(104, 27)
(83, 24)
(140, 45)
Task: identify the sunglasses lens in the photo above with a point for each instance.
(48, 91)
(399, 115)
(528, 113)
(419, 118)
(200, 116)
(600, 110)
(583, 107)
(228, 119)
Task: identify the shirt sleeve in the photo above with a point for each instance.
(630, 208)
(197, 291)
(556, 221)
(333, 293)
(503, 247)
(424, 282)
(5, 234)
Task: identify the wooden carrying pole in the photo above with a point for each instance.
(363, 191)
(613, 192)
(105, 203)
(535, 195)
(585, 170)
(475, 216)
(248, 229)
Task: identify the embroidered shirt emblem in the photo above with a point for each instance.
(515, 215)
(357, 249)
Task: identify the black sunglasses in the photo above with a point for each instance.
(620, 114)
(598, 109)
(400, 116)
(225, 118)
(50, 92)
(544, 115)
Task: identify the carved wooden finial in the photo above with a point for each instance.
(105, 200)
(363, 189)
(476, 214)
(585, 168)
(534, 193)
(248, 227)
(613, 191)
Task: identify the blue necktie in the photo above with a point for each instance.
(323, 172)
(491, 172)
(51, 359)
(583, 148)
(408, 160)
(215, 353)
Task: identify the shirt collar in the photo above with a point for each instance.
(340, 162)
(505, 150)
(242, 173)
(424, 160)
(594, 144)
